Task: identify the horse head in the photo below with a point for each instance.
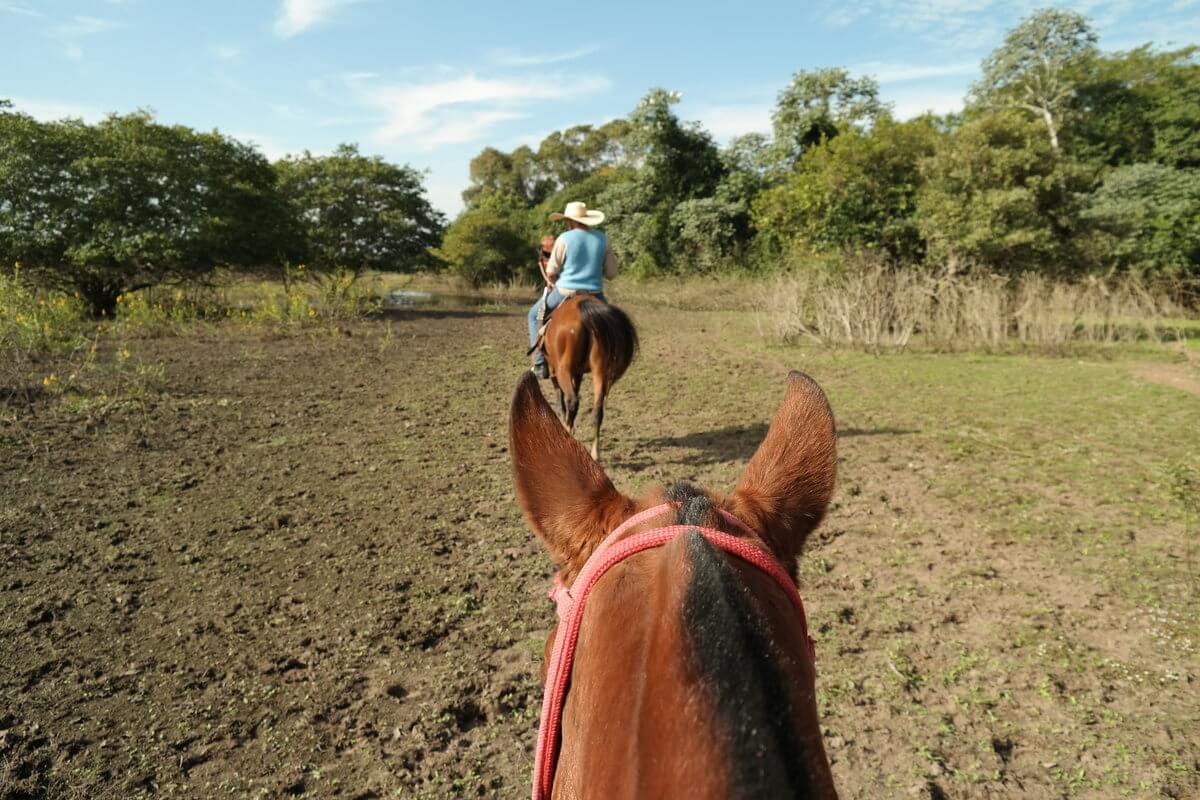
(692, 671)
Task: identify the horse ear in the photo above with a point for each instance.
(786, 486)
(566, 497)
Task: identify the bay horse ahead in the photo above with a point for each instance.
(586, 334)
(691, 672)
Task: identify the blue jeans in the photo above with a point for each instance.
(553, 300)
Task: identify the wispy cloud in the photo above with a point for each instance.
(725, 122)
(899, 73)
(297, 16)
(906, 105)
(225, 52)
(546, 58)
(268, 146)
(440, 112)
(966, 25)
(21, 11)
(49, 110)
(71, 34)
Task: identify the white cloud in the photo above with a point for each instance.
(457, 110)
(297, 16)
(899, 73)
(268, 146)
(725, 122)
(547, 58)
(906, 105)
(445, 191)
(50, 110)
(225, 52)
(21, 11)
(70, 34)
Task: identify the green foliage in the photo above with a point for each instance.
(492, 243)
(569, 157)
(104, 209)
(33, 322)
(359, 212)
(996, 194)
(820, 104)
(707, 233)
(564, 158)
(857, 191)
(1031, 69)
(677, 160)
(1154, 212)
(1136, 107)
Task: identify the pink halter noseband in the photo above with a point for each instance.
(570, 604)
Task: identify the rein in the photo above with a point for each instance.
(570, 604)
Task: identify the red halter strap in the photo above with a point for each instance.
(570, 603)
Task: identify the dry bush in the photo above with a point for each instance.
(874, 306)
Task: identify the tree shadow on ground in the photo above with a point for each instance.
(731, 443)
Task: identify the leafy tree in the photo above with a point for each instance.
(677, 160)
(514, 174)
(1176, 115)
(708, 233)
(492, 243)
(360, 212)
(820, 104)
(129, 203)
(857, 191)
(996, 193)
(1031, 70)
(1154, 213)
(568, 157)
(1135, 107)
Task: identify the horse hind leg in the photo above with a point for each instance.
(572, 397)
(598, 412)
(562, 403)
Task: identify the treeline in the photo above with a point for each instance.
(106, 209)
(1066, 160)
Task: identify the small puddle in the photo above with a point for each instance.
(410, 298)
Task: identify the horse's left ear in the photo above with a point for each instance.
(565, 495)
(787, 485)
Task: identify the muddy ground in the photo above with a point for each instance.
(293, 565)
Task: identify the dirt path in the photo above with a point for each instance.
(298, 570)
(1175, 376)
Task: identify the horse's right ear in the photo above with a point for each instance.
(566, 497)
(787, 485)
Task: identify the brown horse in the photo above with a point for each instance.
(586, 334)
(692, 676)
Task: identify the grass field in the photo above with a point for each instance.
(292, 565)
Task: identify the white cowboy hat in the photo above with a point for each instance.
(579, 212)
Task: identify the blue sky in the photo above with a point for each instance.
(431, 83)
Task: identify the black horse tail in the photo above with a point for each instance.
(611, 327)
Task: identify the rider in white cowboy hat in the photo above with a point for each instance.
(579, 262)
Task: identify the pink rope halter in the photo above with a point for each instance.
(570, 604)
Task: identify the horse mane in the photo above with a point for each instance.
(729, 649)
(612, 326)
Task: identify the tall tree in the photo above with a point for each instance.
(1031, 70)
(360, 212)
(819, 104)
(1153, 211)
(128, 203)
(857, 191)
(515, 174)
(678, 160)
(996, 194)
